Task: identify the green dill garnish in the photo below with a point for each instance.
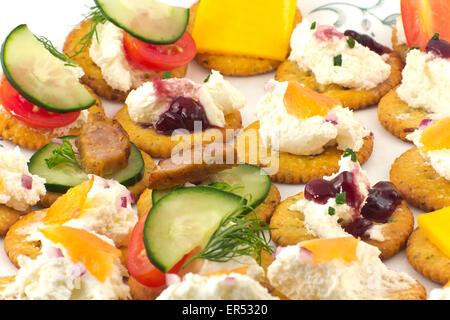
(313, 25)
(337, 60)
(207, 78)
(331, 211)
(63, 154)
(96, 17)
(414, 48)
(350, 153)
(351, 42)
(51, 48)
(166, 75)
(341, 198)
(435, 36)
(237, 235)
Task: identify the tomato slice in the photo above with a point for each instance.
(423, 18)
(160, 57)
(138, 264)
(27, 112)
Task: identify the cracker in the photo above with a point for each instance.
(293, 168)
(427, 259)
(145, 202)
(238, 65)
(397, 117)
(4, 281)
(34, 138)
(419, 183)
(160, 146)
(140, 292)
(93, 76)
(8, 217)
(289, 227)
(401, 49)
(351, 98)
(136, 189)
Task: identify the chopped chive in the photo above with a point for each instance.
(351, 42)
(414, 48)
(313, 25)
(207, 78)
(435, 36)
(341, 198)
(358, 38)
(349, 152)
(166, 75)
(337, 60)
(331, 211)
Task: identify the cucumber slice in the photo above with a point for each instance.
(65, 176)
(39, 76)
(148, 20)
(184, 219)
(248, 181)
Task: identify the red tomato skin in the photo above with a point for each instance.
(160, 57)
(30, 114)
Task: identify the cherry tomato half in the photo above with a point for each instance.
(160, 57)
(30, 114)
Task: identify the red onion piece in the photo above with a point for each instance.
(229, 281)
(425, 124)
(78, 270)
(131, 198)
(331, 117)
(123, 202)
(277, 251)
(27, 182)
(55, 252)
(306, 255)
(172, 278)
(57, 141)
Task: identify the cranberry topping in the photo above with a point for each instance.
(319, 190)
(381, 203)
(368, 42)
(440, 48)
(182, 114)
(358, 227)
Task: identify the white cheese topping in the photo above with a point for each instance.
(284, 132)
(367, 278)
(314, 50)
(217, 96)
(53, 276)
(438, 159)
(234, 286)
(425, 83)
(401, 37)
(18, 188)
(440, 294)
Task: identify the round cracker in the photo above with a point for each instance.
(136, 189)
(351, 98)
(238, 65)
(160, 146)
(93, 76)
(8, 217)
(427, 259)
(293, 168)
(401, 49)
(397, 117)
(289, 227)
(419, 183)
(139, 291)
(35, 138)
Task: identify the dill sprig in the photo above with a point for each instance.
(237, 235)
(63, 154)
(96, 17)
(51, 48)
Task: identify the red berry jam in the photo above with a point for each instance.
(381, 203)
(441, 48)
(358, 227)
(182, 114)
(368, 42)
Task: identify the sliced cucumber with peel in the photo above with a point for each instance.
(65, 176)
(247, 181)
(39, 76)
(183, 220)
(147, 20)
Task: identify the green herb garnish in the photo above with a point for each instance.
(207, 78)
(166, 75)
(331, 211)
(358, 38)
(350, 153)
(337, 60)
(351, 42)
(237, 235)
(96, 17)
(51, 48)
(435, 36)
(313, 25)
(63, 154)
(341, 198)
(414, 48)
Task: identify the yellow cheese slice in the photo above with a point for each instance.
(436, 226)
(324, 250)
(251, 28)
(437, 136)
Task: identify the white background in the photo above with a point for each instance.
(55, 18)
